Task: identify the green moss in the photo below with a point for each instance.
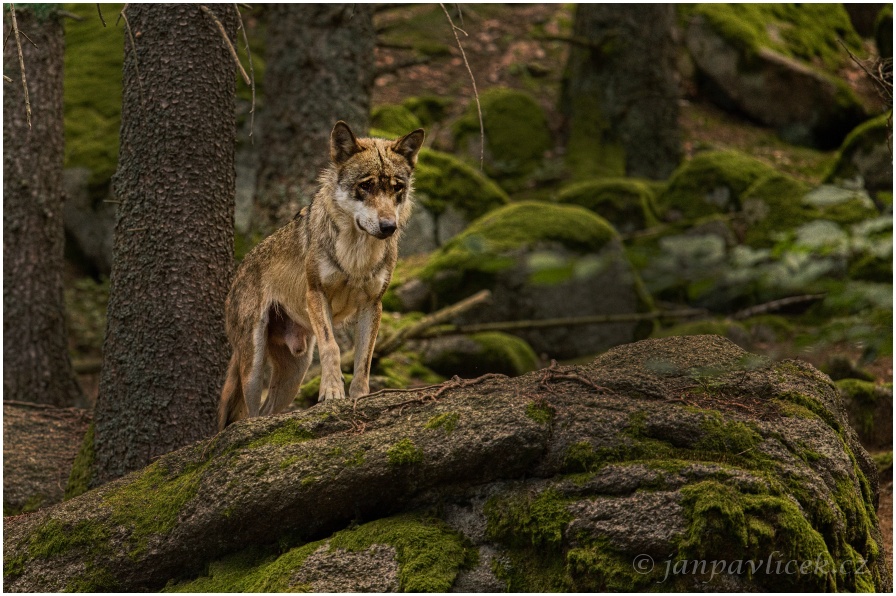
(429, 553)
(627, 203)
(711, 182)
(82, 468)
(33, 503)
(773, 205)
(593, 150)
(727, 436)
(582, 458)
(442, 181)
(724, 523)
(404, 453)
(92, 94)
(470, 260)
(598, 567)
(516, 133)
(404, 369)
(884, 462)
(291, 431)
(806, 32)
(394, 119)
(540, 411)
(429, 109)
(446, 422)
(524, 520)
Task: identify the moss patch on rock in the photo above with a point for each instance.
(865, 154)
(404, 453)
(442, 181)
(516, 133)
(712, 182)
(627, 203)
(82, 468)
(428, 108)
(806, 32)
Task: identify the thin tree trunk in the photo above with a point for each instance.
(620, 95)
(36, 365)
(319, 70)
(165, 351)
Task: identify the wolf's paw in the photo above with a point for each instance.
(329, 391)
(358, 389)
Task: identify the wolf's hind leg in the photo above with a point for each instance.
(290, 348)
(232, 406)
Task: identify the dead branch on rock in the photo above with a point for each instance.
(15, 30)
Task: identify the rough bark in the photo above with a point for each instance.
(684, 447)
(319, 70)
(36, 365)
(165, 352)
(620, 94)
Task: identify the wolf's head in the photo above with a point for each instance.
(374, 178)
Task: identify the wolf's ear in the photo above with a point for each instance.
(409, 145)
(343, 143)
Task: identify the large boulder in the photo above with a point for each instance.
(479, 354)
(448, 195)
(680, 464)
(39, 446)
(542, 261)
(516, 135)
(762, 60)
(627, 203)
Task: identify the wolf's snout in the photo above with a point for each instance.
(387, 227)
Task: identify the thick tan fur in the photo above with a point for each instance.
(329, 265)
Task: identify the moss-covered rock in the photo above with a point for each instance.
(684, 449)
(394, 119)
(628, 204)
(540, 261)
(711, 182)
(429, 109)
(870, 410)
(480, 353)
(516, 134)
(865, 158)
(731, 330)
(778, 64)
(448, 195)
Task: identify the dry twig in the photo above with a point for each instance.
(99, 11)
(230, 47)
(251, 71)
(127, 24)
(455, 29)
(15, 29)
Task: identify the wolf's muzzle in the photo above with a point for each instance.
(387, 228)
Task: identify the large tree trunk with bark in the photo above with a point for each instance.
(36, 365)
(620, 94)
(165, 351)
(561, 479)
(319, 69)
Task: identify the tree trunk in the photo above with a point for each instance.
(680, 448)
(319, 70)
(165, 351)
(620, 95)
(36, 365)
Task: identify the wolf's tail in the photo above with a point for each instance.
(233, 403)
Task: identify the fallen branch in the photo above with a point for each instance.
(562, 322)
(761, 309)
(99, 11)
(15, 29)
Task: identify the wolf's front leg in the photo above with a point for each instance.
(332, 383)
(365, 340)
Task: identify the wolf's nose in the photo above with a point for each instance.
(387, 227)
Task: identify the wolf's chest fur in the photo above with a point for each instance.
(353, 271)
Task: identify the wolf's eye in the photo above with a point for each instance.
(397, 186)
(366, 186)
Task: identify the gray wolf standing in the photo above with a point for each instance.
(330, 264)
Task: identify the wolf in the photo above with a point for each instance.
(331, 264)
